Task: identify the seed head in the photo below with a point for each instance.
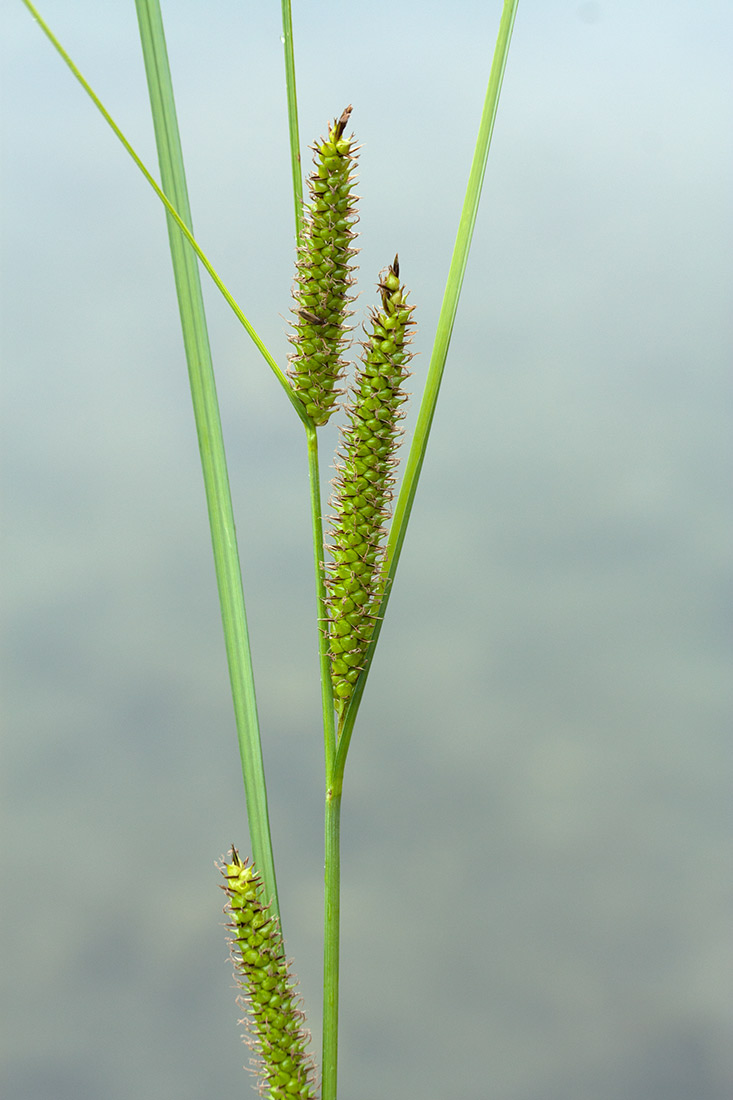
(363, 485)
(324, 275)
(284, 1067)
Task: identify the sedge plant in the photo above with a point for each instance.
(356, 560)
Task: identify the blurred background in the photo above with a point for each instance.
(537, 846)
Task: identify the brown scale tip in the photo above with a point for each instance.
(396, 265)
(341, 124)
(310, 317)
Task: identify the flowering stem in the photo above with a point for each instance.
(329, 732)
(331, 932)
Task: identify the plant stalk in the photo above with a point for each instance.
(331, 934)
(329, 729)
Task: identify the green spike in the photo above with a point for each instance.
(285, 1069)
(324, 275)
(363, 485)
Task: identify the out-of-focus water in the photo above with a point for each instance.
(536, 882)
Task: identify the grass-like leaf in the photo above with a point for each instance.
(211, 442)
(292, 98)
(447, 317)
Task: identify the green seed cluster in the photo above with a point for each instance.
(323, 277)
(363, 485)
(257, 949)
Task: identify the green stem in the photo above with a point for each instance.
(329, 731)
(439, 355)
(332, 881)
(211, 443)
(333, 797)
(332, 888)
(293, 118)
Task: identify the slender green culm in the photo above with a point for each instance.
(363, 485)
(323, 276)
(279, 1039)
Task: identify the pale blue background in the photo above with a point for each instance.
(536, 894)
